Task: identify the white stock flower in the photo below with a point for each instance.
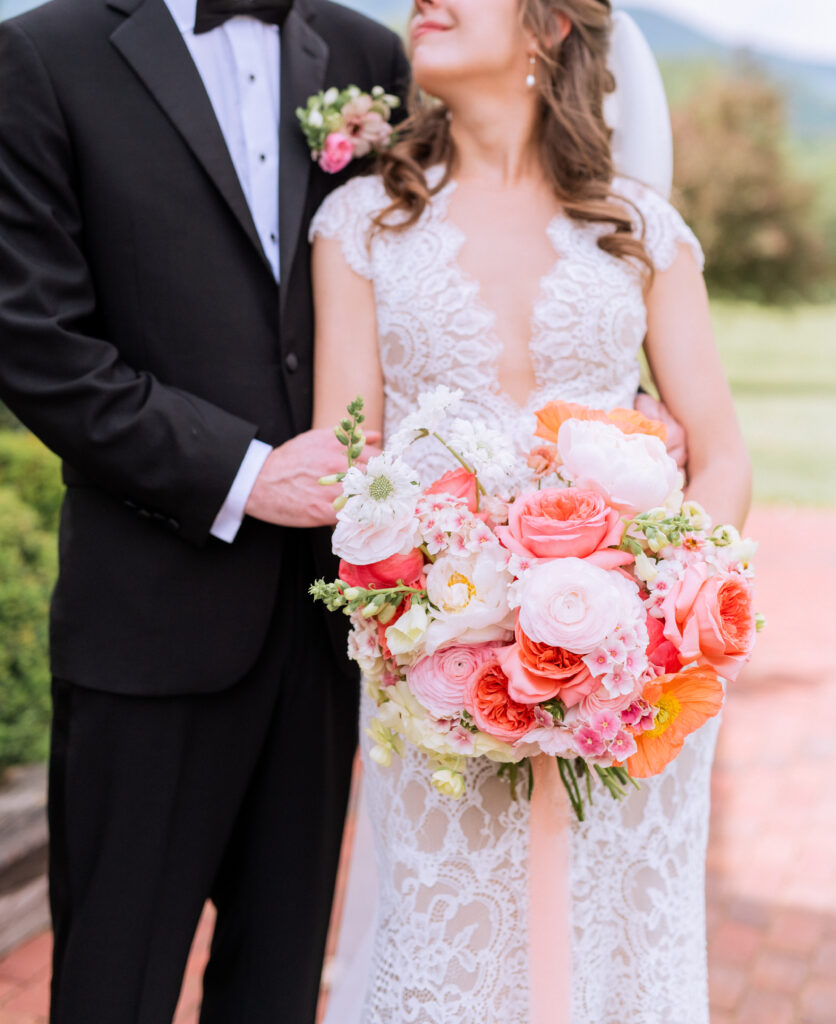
(489, 452)
(632, 471)
(469, 595)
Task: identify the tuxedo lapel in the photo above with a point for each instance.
(152, 45)
(304, 64)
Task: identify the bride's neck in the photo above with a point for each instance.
(493, 142)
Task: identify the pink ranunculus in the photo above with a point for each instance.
(385, 573)
(711, 619)
(572, 604)
(493, 709)
(661, 653)
(632, 471)
(440, 680)
(560, 523)
(337, 153)
(458, 483)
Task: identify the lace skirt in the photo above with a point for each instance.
(451, 943)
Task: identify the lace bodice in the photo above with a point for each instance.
(587, 324)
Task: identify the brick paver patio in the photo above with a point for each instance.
(772, 856)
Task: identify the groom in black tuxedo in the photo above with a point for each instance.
(156, 332)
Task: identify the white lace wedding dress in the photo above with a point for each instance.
(451, 939)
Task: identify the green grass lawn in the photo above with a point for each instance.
(782, 368)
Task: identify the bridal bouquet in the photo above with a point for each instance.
(567, 603)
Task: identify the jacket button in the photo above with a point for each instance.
(291, 361)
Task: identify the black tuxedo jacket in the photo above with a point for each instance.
(142, 334)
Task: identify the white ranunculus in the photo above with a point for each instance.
(571, 604)
(469, 595)
(632, 471)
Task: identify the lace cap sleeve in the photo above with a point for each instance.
(346, 216)
(665, 229)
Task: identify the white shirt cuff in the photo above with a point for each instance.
(228, 521)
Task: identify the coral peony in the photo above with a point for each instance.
(385, 573)
(458, 483)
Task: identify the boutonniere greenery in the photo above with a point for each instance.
(342, 125)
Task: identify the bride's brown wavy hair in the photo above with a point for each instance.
(571, 134)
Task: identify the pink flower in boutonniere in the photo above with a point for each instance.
(337, 153)
(340, 125)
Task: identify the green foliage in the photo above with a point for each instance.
(34, 473)
(27, 571)
(737, 188)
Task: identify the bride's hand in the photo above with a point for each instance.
(677, 442)
(287, 491)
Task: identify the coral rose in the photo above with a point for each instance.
(493, 709)
(561, 523)
(537, 673)
(440, 681)
(711, 619)
(385, 573)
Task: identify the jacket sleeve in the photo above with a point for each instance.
(168, 454)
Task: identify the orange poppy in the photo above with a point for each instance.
(552, 417)
(683, 702)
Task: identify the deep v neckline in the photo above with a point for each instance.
(473, 285)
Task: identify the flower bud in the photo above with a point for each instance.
(449, 783)
(381, 755)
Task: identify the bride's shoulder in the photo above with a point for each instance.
(659, 224)
(347, 214)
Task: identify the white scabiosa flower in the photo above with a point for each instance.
(378, 519)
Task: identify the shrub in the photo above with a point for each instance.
(28, 561)
(33, 473)
(736, 187)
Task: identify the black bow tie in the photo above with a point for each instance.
(211, 13)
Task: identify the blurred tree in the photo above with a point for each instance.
(735, 186)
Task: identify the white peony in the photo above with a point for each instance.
(469, 595)
(632, 471)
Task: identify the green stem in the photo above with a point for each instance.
(462, 462)
(567, 776)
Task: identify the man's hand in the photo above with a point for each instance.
(677, 442)
(287, 491)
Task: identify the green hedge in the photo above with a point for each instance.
(28, 563)
(29, 468)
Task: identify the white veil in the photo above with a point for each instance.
(643, 149)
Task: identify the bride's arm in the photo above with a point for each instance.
(346, 361)
(687, 369)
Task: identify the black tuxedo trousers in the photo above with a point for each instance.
(204, 719)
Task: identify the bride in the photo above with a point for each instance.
(496, 251)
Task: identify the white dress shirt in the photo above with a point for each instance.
(239, 63)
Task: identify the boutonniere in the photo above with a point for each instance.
(340, 126)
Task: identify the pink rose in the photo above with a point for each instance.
(385, 573)
(337, 153)
(494, 711)
(558, 523)
(537, 672)
(440, 681)
(711, 619)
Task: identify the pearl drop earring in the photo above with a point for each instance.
(530, 80)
